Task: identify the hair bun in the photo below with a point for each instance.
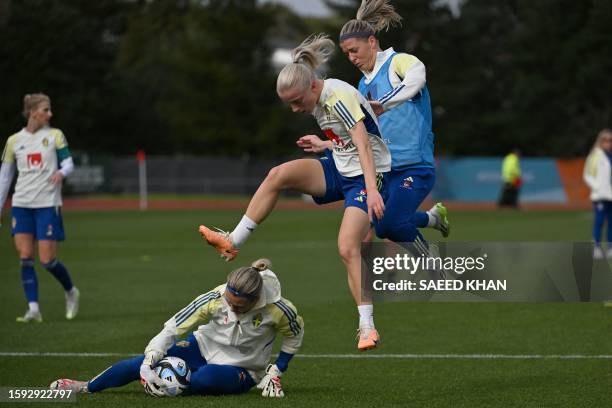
(262, 264)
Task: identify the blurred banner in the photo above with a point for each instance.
(462, 179)
(478, 179)
(485, 271)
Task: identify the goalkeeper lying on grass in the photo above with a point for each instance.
(235, 327)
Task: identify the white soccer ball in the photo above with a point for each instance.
(175, 374)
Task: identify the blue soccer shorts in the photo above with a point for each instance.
(44, 223)
(333, 181)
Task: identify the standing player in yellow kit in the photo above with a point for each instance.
(42, 159)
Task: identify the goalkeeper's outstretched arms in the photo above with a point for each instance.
(291, 326)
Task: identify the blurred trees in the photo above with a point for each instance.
(511, 73)
(194, 76)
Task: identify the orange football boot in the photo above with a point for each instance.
(368, 338)
(220, 241)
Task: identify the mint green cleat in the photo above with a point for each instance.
(30, 316)
(440, 213)
(72, 303)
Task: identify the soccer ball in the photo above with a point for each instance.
(174, 373)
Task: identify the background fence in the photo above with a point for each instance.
(464, 179)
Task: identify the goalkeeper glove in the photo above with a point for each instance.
(151, 382)
(271, 383)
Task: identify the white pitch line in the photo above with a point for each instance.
(358, 356)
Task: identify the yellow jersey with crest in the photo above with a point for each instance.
(339, 109)
(36, 157)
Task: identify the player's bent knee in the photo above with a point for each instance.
(275, 177)
(348, 252)
(404, 232)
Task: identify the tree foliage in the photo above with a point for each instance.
(194, 77)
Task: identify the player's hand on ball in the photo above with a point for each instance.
(271, 383)
(152, 358)
(150, 379)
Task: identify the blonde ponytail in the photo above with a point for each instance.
(308, 56)
(372, 16)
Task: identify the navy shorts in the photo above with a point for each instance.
(333, 181)
(405, 190)
(44, 223)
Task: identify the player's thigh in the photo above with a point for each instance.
(189, 351)
(24, 244)
(304, 175)
(353, 229)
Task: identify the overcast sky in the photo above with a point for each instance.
(317, 8)
(314, 8)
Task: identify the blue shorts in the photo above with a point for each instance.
(44, 223)
(333, 181)
(354, 191)
(337, 187)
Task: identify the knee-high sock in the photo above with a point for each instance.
(117, 375)
(29, 280)
(59, 271)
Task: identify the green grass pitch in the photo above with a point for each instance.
(135, 270)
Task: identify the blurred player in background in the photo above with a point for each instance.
(41, 156)
(511, 176)
(235, 326)
(395, 86)
(360, 157)
(598, 176)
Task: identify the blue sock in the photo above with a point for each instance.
(28, 279)
(608, 213)
(117, 375)
(60, 272)
(213, 379)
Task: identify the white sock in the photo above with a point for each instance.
(433, 221)
(366, 316)
(242, 231)
(33, 306)
(72, 291)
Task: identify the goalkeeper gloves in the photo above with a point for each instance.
(271, 383)
(151, 382)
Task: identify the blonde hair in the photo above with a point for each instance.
(600, 136)
(372, 16)
(308, 56)
(31, 101)
(246, 281)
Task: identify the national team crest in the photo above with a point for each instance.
(361, 196)
(331, 135)
(407, 182)
(45, 142)
(34, 160)
(257, 319)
